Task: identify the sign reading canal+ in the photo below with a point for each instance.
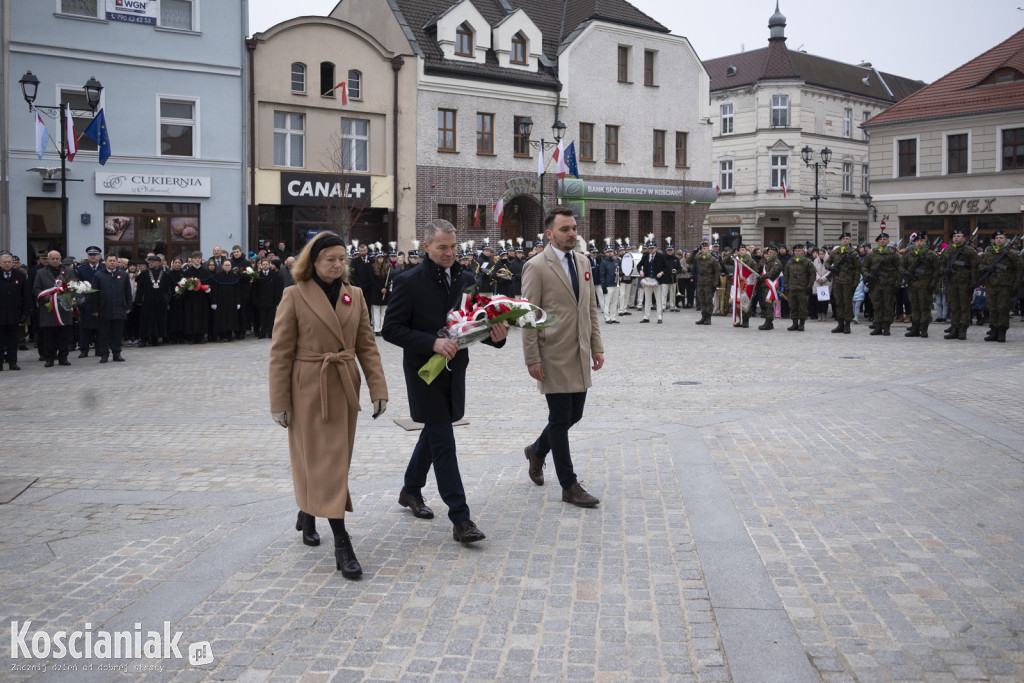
(325, 189)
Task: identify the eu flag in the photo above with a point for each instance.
(97, 132)
(570, 160)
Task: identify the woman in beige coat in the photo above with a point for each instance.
(322, 327)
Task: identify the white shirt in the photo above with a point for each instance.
(563, 258)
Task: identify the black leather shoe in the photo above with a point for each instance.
(577, 495)
(536, 466)
(646, 320)
(48, 364)
(104, 359)
(84, 354)
(345, 557)
(416, 504)
(118, 358)
(307, 525)
(466, 532)
(63, 361)
(15, 366)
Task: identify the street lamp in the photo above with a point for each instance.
(29, 88)
(867, 202)
(557, 132)
(807, 154)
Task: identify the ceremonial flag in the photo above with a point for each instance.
(773, 288)
(499, 209)
(97, 132)
(744, 281)
(42, 134)
(540, 162)
(476, 217)
(783, 188)
(69, 133)
(344, 91)
(560, 160)
(570, 160)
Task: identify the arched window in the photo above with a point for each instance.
(518, 55)
(298, 77)
(464, 41)
(355, 84)
(327, 81)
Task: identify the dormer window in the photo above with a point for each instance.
(464, 41)
(518, 54)
(1003, 75)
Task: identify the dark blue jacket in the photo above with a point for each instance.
(608, 268)
(114, 298)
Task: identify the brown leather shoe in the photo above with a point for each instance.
(466, 532)
(416, 504)
(577, 495)
(536, 465)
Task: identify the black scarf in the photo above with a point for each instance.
(331, 289)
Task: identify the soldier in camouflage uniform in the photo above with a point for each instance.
(921, 268)
(960, 271)
(800, 276)
(1000, 274)
(844, 264)
(770, 270)
(708, 269)
(883, 273)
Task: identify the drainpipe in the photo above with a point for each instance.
(396, 65)
(250, 45)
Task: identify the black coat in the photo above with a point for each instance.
(266, 290)
(417, 311)
(114, 298)
(153, 301)
(87, 305)
(15, 298)
(650, 267)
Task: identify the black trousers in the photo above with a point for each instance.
(86, 336)
(564, 410)
(9, 344)
(436, 447)
(110, 334)
(265, 322)
(54, 342)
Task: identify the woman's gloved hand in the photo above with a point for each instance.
(379, 406)
(281, 418)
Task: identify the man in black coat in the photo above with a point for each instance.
(197, 303)
(153, 296)
(113, 302)
(266, 295)
(14, 308)
(420, 301)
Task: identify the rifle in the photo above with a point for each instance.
(995, 265)
(910, 275)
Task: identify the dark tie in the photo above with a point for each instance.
(572, 274)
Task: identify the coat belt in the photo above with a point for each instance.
(341, 359)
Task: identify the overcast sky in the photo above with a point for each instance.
(921, 39)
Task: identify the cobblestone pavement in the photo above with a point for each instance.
(775, 506)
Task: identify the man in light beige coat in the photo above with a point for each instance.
(561, 357)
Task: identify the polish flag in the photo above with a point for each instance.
(783, 188)
(499, 211)
(70, 134)
(540, 162)
(476, 217)
(344, 91)
(560, 159)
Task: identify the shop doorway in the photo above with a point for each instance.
(522, 218)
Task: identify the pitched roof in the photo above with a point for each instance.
(420, 17)
(961, 91)
(767, 64)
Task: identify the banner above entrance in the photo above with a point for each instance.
(325, 189)
(633, 192)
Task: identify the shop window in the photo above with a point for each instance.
(907, 153)
(586, 142)
(355, 84)
(289, 139)
(43, 228)
(79, 103)
(1013, 149)
(725, 119)
(178, 136)
(484, 133)
(134, 229)
(177, 14)
(298, 77)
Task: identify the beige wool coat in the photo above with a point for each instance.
(313, 376)
(565, 348)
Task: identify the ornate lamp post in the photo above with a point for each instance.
(807, 154)
(557, 131)
(29, 88)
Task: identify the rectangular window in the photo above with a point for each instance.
(725, 119)
(83, 8)
(289, 139)
(78, 102)
(176, 14)
(848, 122)
(520, 143)
(355, 84)
(598, 227)
(298, 77)
(847, 178)
(611, 144)
(476, 217)
(956, 153)
(518, 54)
(586, 142)
(780, 111)
(646, 219)
(448, 212)
(780, 171)
(864, 135)
(725, 175)
(355, 145)
(659, 148)
(177, 128)
(623, 64)
(865, 179)
(907, 158)
(1013, 149)
(680, 149)
(648, 67)
(484, 133)
(445, 130)
(621, 224)
(132, 229)
(464, 41)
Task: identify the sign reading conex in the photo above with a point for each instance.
(152, 184)
(633, 192)
(960, 206)
(325, 189)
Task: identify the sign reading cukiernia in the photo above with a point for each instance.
(133, 11)
(152, 184)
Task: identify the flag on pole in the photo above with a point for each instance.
(560, 159)
(540, 162)
(69, 133)
(344, 92)
(718, 190)
(783, 188)
(570, 160)
(744, 281)
(499, 209)
(42, 134)
(97, 132)
(476, 217)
